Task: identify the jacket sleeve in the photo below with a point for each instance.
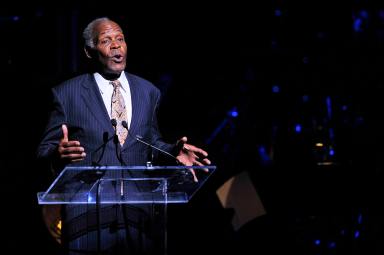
(53, 133)
(157, 139)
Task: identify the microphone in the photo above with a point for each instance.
(116, 141)
(114, 124)
(139, 139)
(106, 139)
(125, 125)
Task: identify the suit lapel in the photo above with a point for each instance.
(94, 101)
(134, 87)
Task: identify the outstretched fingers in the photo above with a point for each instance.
(194, 149)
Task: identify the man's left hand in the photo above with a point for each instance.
(190, 155)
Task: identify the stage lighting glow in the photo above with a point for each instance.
(298, 128)
(278, 13)
(360, 219)
(275, 89)
(234, 114)
(332, 245)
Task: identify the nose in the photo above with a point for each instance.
(115, 44)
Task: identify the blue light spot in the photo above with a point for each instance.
(298, 128)
(329, 106)
(331, 152)
(331, 133)
(278, 13)
(357, 234)
(317, 242)
(332, 245)
(265, 159)
(364, 14)
(360, 120)
(305, 98)
(234, 113)
(344, 107)
(360, 218)
(357, 25)
(15, 18)
(275, 89)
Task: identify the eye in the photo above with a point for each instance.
(104, 41)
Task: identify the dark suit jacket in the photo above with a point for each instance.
(78, 104)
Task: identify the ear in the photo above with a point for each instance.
(87, 51)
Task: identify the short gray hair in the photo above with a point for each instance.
(89, 32)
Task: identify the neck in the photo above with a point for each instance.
(110, 76)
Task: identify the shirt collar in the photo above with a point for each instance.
(105, 85)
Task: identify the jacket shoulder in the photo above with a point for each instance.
(143, 83)
(72, 83)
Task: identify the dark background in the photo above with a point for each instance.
(295, 73)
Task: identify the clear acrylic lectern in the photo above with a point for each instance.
(103, 186)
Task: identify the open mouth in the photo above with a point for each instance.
(118, 58)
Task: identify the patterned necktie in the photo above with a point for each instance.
(119, 113)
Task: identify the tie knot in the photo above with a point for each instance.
(115, 83)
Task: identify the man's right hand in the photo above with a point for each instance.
(70, 151)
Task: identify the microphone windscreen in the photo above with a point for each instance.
(105, 137)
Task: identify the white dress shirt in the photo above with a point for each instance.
(106, 90)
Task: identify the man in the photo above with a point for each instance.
(89, 109)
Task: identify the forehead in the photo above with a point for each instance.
(108, 27)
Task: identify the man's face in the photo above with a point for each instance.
(111, 49)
